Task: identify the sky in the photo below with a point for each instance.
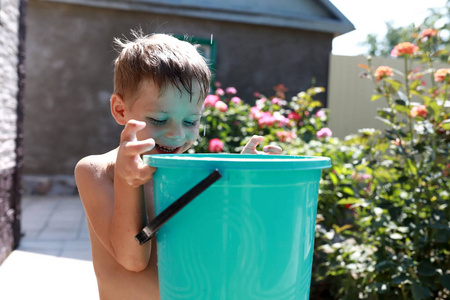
(370, 16)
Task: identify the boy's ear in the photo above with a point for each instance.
(118, 107)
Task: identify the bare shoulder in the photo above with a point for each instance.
(95, 164)
(95, 170)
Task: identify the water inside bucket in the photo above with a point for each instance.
(248, 236)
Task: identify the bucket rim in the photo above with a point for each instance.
(234, 161)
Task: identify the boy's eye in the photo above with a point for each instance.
(190, 123)
(157, 122)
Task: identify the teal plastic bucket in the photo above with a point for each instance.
(249, 235)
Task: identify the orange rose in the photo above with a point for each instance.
(418, 110)
(405, 48)
(441, 75)
(383, 72)
(429, 32)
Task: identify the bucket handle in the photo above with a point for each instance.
(150, 230)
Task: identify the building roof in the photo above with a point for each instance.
(315, 15)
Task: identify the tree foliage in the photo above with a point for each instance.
(438, 19)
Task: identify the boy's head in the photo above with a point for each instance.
(163, 59)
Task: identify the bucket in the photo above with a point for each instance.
(249, 233)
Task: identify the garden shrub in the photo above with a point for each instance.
(403, 216)
(383, 224)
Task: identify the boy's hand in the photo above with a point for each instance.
(250, 148)
(129, 164)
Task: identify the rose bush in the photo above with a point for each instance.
(399, 244)
(232, 121)
(383, 223)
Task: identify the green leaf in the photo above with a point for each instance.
(445, 281)
(412, 167)
(385, 121)
(403, 179)
(396, 85)
(315, 104)
(382, 173)
(384, 265)
(350, 200)
(445, 124)
(333, 178)
(396, 236)
(385, 112)
(347, 190)
(414, 85)
(401, 279)
(426, 269)
(400, 102)
(342, 228)
(420, 291)
(435, 107)
(375, 97)
(402, 109)
(417, 291)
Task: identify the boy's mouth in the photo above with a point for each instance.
(168, 150)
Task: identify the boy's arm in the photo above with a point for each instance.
(116, 210)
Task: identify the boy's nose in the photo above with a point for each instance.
(175, 132)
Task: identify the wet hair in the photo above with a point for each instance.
(161, 58)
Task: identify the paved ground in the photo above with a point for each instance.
(53, 260)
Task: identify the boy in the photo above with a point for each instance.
(160, 83)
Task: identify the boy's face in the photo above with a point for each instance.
(172, 118)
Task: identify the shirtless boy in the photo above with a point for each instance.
(160, 84)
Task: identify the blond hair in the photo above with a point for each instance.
(161, 58)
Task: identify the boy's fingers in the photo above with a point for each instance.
(129, 132)
(146, 172)
(272, 149)
(141, 175)
(138, 147)
(252, 144)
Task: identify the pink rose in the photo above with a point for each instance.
(286, 136)
(222, 106)
(266, 119)
(231, 90)
(320, 113)
(405, 48)
(236, 100)
(211, 100)
(294, 116)
(282, 120)
(215, 145)
(383, 72)
(276, 100)
(220, 92)
(260, 103)
(418, 110)
(428, 33)
(361, 177)
(442, 75)
(323, 133)
(255, 113)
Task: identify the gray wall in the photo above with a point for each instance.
(69, 72)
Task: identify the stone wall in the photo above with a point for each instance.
(11, 87)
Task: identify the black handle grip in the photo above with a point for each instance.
(150, 230)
